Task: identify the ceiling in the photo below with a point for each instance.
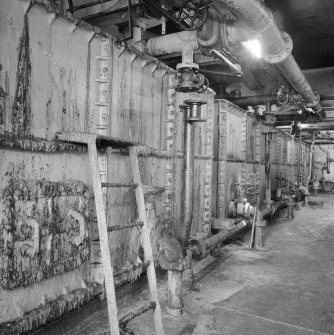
(310, 24)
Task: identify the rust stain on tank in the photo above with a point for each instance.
(22, 102)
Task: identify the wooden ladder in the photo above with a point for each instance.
(91, 141)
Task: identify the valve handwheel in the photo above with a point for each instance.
(193, 14)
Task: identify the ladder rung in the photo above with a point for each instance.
(103, 81)
(119, 185)
(132, 315)
(132, 268)
(127, 226)
(99, 103)
(102, 58)
(148, 189)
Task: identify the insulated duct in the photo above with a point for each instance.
(277, 45)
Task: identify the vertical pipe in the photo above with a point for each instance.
(268, 138)
(300, 160)
(311, 160)
(187, 56)
(192, 115)
(188, 168)
(175, 303)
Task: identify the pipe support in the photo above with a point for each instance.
(175, 303)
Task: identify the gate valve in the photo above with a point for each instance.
(189, 79)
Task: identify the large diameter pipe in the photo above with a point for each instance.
(258, 18)
(277, 47)
(223, 236)
(199, 248)
(290, 69)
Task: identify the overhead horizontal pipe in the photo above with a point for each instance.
(258, 22)
(313, 126)
(254, 100)
(267, 98)
(277, 46)
(320, 142)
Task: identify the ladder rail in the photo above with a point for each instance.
(91, 140)
(104, 244)
(148, 253)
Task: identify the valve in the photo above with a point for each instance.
(295, 129)
(193, 14)
(269, 118)
(189, 79)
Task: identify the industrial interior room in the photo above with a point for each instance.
(166, 167)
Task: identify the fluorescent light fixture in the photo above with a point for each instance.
(254, 47)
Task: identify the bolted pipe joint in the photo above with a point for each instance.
(284, 53)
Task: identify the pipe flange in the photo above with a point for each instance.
(215, 33)
(194, 110)
(282, 95)
(182, 66)
(190, 102)
(274, 59)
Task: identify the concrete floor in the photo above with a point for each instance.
(285, 289)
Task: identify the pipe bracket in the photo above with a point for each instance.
(274, 59)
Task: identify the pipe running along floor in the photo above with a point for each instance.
(285, 289)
